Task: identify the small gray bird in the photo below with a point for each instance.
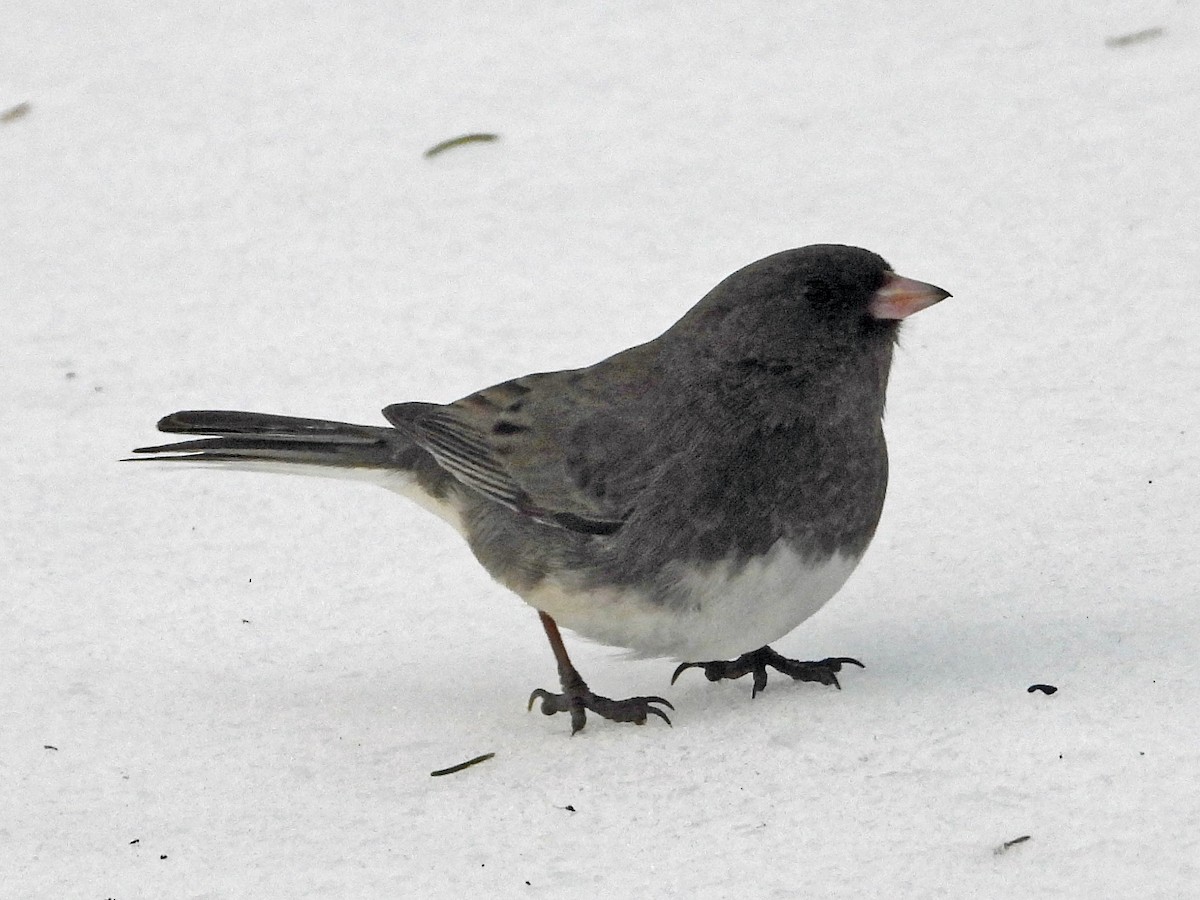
(694, 497)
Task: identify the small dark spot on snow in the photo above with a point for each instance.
(463, 765)
(1134, 37)
(49, 747)
(475, 138)
(135, 841)
(15, 112)
(162, 856)
(1044, 688)
(1017, 840)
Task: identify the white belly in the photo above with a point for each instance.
(725, 613)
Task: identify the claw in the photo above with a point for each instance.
(683, 667)
(760, 680)
(713, 671)
(842, 660)
(834, 665)
(658, 712)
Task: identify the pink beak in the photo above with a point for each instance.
(900, 297)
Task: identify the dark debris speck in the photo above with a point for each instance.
(1134, 37)
(478, 137)
(20, 111)
(1017, 840)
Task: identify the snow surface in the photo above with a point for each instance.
(246, 679)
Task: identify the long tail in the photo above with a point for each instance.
(246, 438)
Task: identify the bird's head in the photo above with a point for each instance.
(800, 306)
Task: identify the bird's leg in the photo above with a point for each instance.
(577, 698)
(823, 671)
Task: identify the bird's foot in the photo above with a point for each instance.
(577, 698)
(823, 671)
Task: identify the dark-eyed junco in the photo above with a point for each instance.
(694, 497)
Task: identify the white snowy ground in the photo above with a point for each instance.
(228, 685)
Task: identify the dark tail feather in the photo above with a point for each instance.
(224, 421)
(233, 437)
